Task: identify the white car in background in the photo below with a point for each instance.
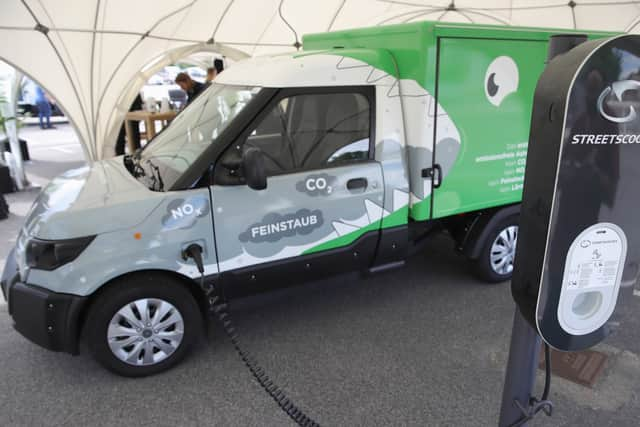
(172, 71)
(196, 73)
(156, 80)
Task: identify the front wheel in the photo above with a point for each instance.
(495, 263)
(142, 325)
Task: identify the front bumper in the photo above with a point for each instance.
(49, 319)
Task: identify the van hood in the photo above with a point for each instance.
(91, 200)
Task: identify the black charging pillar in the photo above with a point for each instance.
(521, 371)
(525, 343)
(579, 238)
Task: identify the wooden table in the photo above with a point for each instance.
(149, 119)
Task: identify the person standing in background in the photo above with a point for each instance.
(120, 142)
(187, 84)
(44, 109)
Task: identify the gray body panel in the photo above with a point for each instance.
(90, 200)
(146, 233)
(295, 213)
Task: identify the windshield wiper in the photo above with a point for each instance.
(130, 158)
(133, 164)
(155, 177)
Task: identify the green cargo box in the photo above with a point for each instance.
(478, 83)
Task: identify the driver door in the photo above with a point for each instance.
(320, 212)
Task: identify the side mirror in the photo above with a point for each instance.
(253, 168)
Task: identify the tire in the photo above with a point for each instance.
(495, 263)
(120, 340)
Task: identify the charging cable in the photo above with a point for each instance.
(219, 309)
(536, 405)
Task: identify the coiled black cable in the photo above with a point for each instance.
(547, 373)
(277, 394)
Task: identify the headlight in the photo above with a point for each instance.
(51, 254)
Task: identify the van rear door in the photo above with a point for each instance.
(486, 87)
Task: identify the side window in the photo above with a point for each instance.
(271, 137)
(313, 131)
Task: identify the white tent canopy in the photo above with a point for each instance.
(94, 55)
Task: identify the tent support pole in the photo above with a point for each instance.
(16, 163)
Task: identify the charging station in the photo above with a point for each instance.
(579, 235)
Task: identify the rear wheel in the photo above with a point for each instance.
(142, 325)
(495, 263)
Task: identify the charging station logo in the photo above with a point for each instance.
(618, 89)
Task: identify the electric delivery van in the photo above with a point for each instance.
(342, 157)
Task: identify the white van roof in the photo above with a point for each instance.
(306, 69)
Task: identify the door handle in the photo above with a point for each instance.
(437, 172)
(357, 183)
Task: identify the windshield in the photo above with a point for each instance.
(169, 155)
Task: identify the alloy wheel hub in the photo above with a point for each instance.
(503, 250)
(145, 332)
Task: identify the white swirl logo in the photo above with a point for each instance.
(618, 89)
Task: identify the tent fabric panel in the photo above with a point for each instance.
(52, 77)
(600, 17)
(195, 22)
(137, 15)
(106, 65)
(52, 14)
(14, 14)
(134, 37)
